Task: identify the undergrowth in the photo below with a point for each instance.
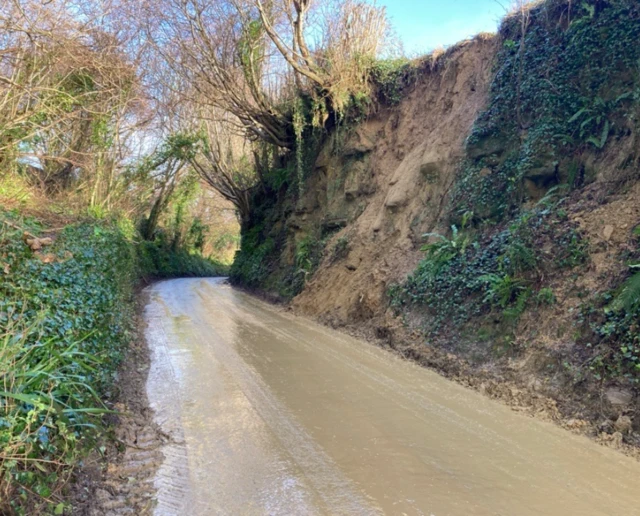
(65, 318)
(65, 321)
(471, 273)
(610, 325)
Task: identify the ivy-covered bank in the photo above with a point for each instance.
(66, 313)
(566, 91)
(501, 271)
(566, 85)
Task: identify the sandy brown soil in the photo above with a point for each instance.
(390, 180)
(120, 480)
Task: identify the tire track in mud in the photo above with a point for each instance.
(121, 479)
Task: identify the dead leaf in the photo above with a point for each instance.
(34, 243)
(46, 258)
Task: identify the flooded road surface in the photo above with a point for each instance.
(272, 414)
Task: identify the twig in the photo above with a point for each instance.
(15, 226)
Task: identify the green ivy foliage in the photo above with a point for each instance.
(499, 271)
(64, 325)
(258, 263)
(65, 321)
(563, 83)
(159, 259)
(391, 77)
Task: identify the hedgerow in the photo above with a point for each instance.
(66, 315)
(65, 319)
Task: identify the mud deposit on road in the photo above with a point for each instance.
(121, 482)
(273, 414)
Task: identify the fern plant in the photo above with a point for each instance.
(596, 126)
(628, 299)
(443, 250)
(502, 290)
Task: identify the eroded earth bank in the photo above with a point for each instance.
(482, 219)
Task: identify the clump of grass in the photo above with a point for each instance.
(48, 409)
(14, 190)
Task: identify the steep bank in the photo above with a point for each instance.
(527, 143)
(389, 185)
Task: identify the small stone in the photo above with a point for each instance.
(617, 396)
(607, 232)
(617, 439)
(624, 425)
(574, 424)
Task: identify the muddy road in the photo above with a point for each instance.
(272, 414)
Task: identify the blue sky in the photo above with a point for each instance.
(427, 24)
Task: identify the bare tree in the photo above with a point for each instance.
(68, 91)
(348, 36)
(253, 58)
(217, 56)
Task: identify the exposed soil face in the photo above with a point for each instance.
(387, 183)
(120, 480)
(390, 180)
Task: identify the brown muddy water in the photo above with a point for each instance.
(273, 414)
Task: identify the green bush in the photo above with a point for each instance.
(159, 260)
(391, 77)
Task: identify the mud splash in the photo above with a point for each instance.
(272, 414)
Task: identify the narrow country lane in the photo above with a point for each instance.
(272, 414)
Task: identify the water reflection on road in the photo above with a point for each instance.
(272, 414)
